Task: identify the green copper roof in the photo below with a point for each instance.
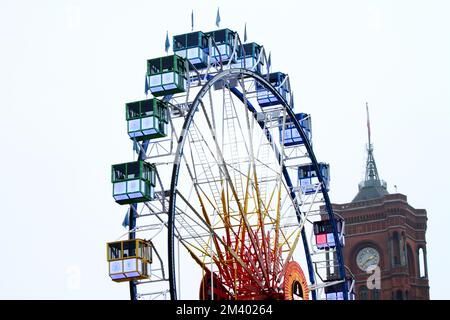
(371, 190)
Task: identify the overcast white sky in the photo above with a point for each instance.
(68, 67)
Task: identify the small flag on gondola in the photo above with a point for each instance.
(245, 33)
(292, 101)
(147, 87)
(135, 146)
(126, 220)
(192, 20)
(218, 18)
(167, 42)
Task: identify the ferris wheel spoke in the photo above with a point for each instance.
(215, 256)
(199, 190)
(211, 180)
(224, 217)
(262, 157)
(221, 162)
(230, 143)
(276, 189)
(263, 210)
(207, 226)
(278, 210)
(226, 173)
(207, 222)
(250, 126)
(217, 239)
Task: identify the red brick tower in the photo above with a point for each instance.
(383, 230)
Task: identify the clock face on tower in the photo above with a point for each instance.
(367, 257)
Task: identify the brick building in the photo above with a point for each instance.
(390, 233)
(383, 230)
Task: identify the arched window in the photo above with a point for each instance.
(399, 295)
(403, 261)
(396, 249)
(363, 293)
(411, 264)
(422, 263)
(376, 294)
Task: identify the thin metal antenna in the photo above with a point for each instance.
(368, 124)
(371, 167)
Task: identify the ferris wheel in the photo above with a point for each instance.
(227, 200)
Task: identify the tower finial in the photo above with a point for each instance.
(372, 187)
(371, 167)
(368, 123)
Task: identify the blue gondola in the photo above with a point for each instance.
(224, 40)
(291, 135)
(308, 178)
(336, 292)
(323, 233)
(192, 46)
(247, 57)
(266, 98)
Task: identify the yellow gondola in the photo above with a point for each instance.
(129, 259)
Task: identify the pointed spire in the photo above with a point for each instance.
(372, 186)
(192, 20)
(371, 167)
